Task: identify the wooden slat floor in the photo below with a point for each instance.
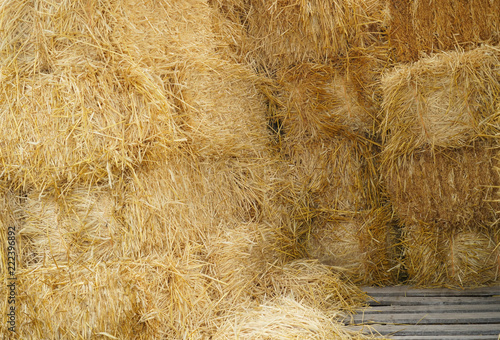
(423, 314)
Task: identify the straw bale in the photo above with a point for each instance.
(318, 100)
(361, 245)
(225, 114)
(421, 27)
(240, 257)
(338, 174)
(75, 226)
(446, 187)
(445, 100)
(291, 32)
(284, 318)
(462, 257)
(182, 199)
(148, 298)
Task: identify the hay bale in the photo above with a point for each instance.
(283, 318)
(141, 299)
(101, 106)
(239, 257)
(450, 188)
(446, 100)
(421, 27)
(291, 32)
(75, 226)
(318, 100)
(225, 115)
(463, 257)
(441, 116)
(362, 245)
(182, 200)
(338, 174)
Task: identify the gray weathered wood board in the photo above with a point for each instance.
(402, 313)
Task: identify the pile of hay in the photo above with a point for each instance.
(418, 27)
(439, 162)
(283, 319)
(137, 165)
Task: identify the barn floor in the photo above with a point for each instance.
(423, 314)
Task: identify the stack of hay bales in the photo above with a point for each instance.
(324, 104)
(149, 189)
(418, 27)
(440, 164)
(323, 61)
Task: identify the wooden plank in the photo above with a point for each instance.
(432, 292)
(418, 301)
(451, 337)
(429, 318)
(430, 308)
(430, 330)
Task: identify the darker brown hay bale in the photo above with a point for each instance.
(319, 101)
(361, 245)
(450, 188)
(441, 119)
(462, 257)
(417, 27)
(337, 174)
(291, 32)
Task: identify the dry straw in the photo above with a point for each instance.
(337, 210)
(83, 97)
(416, 27)
(75, 226)
(154, 206)
(316, 285)
(283, 319)
(339, 174)
(463, 257)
